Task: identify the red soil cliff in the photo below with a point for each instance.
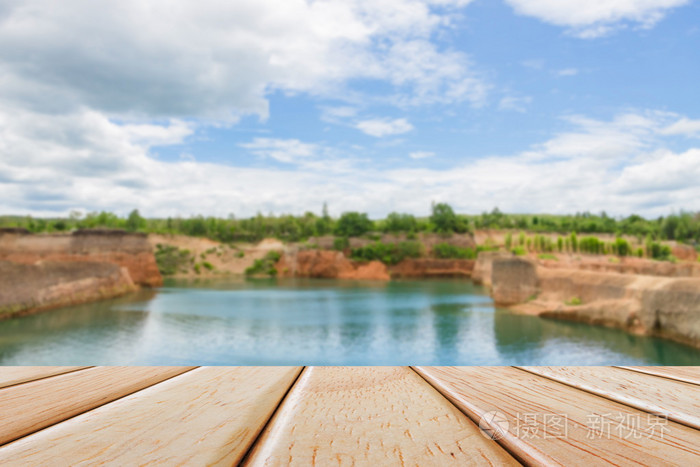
(129, 250)
(329, 265)
(27, 288)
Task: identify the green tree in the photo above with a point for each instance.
(445, 220)
(353, 224)
(135, 222)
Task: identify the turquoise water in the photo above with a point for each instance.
(317, 322)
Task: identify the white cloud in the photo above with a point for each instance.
(220, 60)
(684, 126)
(595, 18)
(568, 72)
(421, 154)
(54, 163)
(518, 104)
(384, 127)
(283, 150)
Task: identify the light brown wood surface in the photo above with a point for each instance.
(11, 375)
(676, 400)
(371, 416)
(687, 374)
(31, 406)
(207, 416)
(581, 429)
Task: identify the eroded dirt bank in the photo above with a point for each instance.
(129, 250)
(330, 264)
(27, 288)
(643, 304)
(39, 272)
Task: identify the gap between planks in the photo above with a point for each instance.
(14, 375)
(675, 400)
(39, 404)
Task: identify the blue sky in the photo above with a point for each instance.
(378, 106)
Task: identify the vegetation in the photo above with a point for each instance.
(265, 266)
(170, 259)
(447, 251)
(388, 253)
(574, 301)
(547, 233)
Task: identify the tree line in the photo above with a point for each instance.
(683, 226)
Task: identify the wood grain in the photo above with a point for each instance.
(687, 374)
(678, 401)
(32, 406)
(549, 423)
(11, 375)
(207, 416)
(371, 416)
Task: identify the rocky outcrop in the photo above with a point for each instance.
(625, 265)
(662, 306)
(482, 268)
(514, 280)
(27, 288)
(129, 250)
(430, 267)
(329, 265)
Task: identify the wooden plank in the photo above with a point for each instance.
(11, 375)
(544, 422)
(678, 401)
(371, 416)
(687, 374)
(32, 406)
(207, 416)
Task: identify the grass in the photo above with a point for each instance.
(573, 301)
(547, 256)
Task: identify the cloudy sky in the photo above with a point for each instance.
(214, 107)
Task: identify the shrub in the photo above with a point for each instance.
(197, 268)
(547, 256)
(388, 253)
(170, 259)
(208, 265)
(447, 251)
(341, 243)
(622, 247)
(240, 254)
(518, 251)
(509, 241)
(574, 301)
(265, 265)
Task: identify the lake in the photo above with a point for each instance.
(318, 322)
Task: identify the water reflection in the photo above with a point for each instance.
(321, 323)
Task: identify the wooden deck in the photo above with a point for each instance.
(350, 416)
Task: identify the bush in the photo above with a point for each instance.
(170, 259)
(518, 251)
(341, 243)
(447, 251)
(574, 301)
(388, 253)
(265, 266)
(208, 265)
